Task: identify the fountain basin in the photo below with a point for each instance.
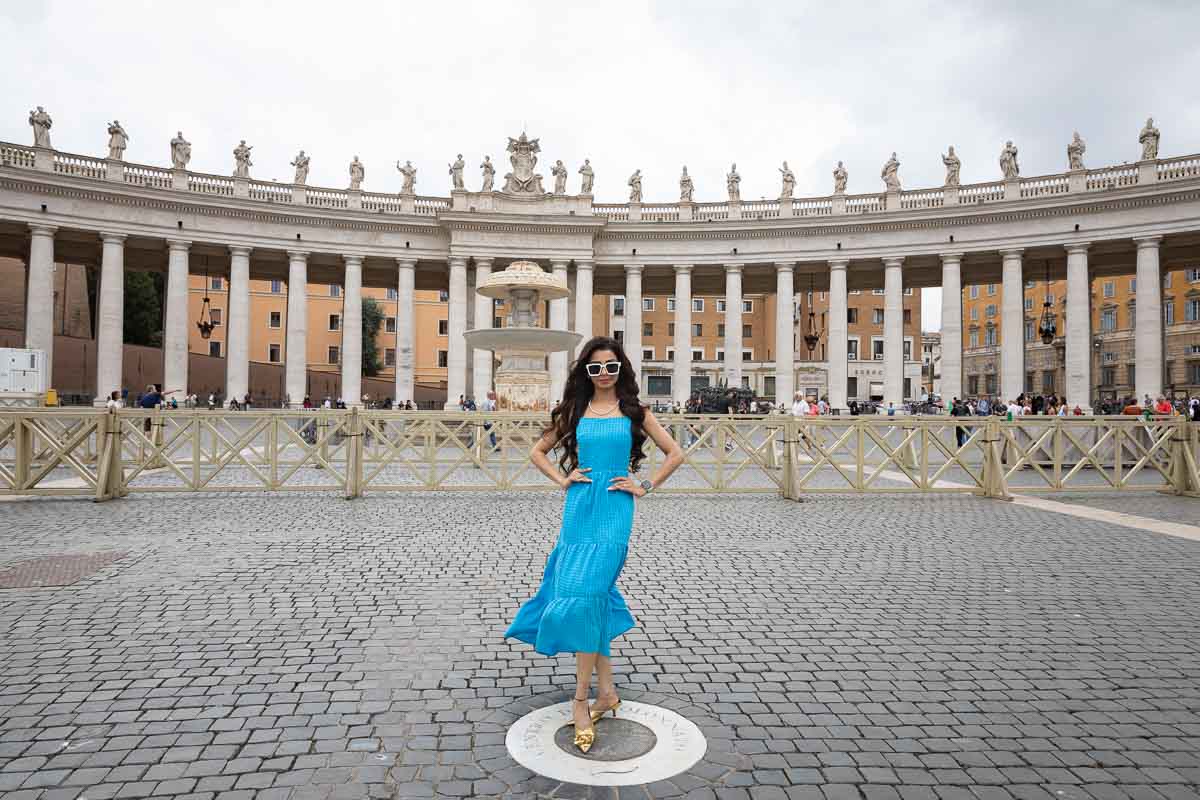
(541, 340)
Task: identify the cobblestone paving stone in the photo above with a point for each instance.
(846, 648)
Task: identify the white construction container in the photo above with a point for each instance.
(22, 371)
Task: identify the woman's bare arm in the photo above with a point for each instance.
(674, 453)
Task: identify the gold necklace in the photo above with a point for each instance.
(604, 413)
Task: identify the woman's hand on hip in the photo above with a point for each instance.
(624, 483)
(577, 475)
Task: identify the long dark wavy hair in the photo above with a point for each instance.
(577, 393)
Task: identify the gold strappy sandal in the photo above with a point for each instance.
(596, 715)
(584, 739)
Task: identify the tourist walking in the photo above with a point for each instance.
(599, 430)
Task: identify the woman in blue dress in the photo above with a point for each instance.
(599, 430)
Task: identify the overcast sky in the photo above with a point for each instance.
(628, 85)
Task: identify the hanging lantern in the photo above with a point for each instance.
(205, 323)
(812, 334)
(1047, 329)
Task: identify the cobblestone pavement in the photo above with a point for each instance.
(846, 648)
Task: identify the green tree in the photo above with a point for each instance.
(372, 320)
(143, 308)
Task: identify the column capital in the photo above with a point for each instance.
(948, 258)
(298, 255)
(483, 261)
(1144, 242)
(239, 250)
(179, 245)
(458, 261)
(406, 263)
(115, 238)
(38, 229)
(584, 264)
(353, 259)
(1012, 252)
(559, 262)
(683, 269)
(1081, 247)
(633, 269)
(733, 269)
(838, 263)
(785, 266)
(893, 261)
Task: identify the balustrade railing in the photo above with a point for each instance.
(1045, 185)
(82, 166)
(108, 454)
(210, 184)
(153, 177)
(1101, 179)
(1112, 177)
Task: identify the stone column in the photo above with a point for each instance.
(39, 296)
(733, 324)
(296, 365)
(1147, 333)
(1079, 328)
(951, 326)
(110, 319)
(481, 366)
(839, 326)
(558, 321)
(237, 324)
(893, 332)
(681, 373)
(633, 317)
(406, 269)
(456, 357)
(785, 354)
(175, 323)
(583, 302)
(1012, 326)
(352, 332)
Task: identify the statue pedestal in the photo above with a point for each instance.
(839, 202)
(950, 196)
(300, 195)
(635, 212)
(891, 200)
(1076, 180)
(43, 159)
(179, 180)
(1148, 171)
(241, 187)
(458, 200)
(408, 204)
(354, 199)
(1012, 188)
(786, 207)
(735, 209)
(114, 170)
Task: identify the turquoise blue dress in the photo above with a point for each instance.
(578, 608)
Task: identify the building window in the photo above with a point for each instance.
(497, 322)
(670, 304)
(618, 306)
(855, 291)
(747, 355)
(721, 329)
(697, 354)
(335, 290)
(1109, 289)
(1029, 382)
(877, 316)
(1129, 370)
(720, 354)
(748, 306)
(973, 384)
(1194, 373)
(989, 336)
(908, 316)
(273, 353)
(989, 383)
(747, 331)
(908, 387)
(990, 311)
(443, 358)
(908, 291)
(1191, 310)
(334, 354)
(1047, 382)
(974, 339)
(907, 350)
(443, 327)
(658, 385)
(1029, 332)
(877, 291)
(276, 286)
(1167, 280)
(974, 313)
(389, 356)
(697, 304)
(1168, 313)
(443, 295)
(697, 329)
(335, 322)
(647, 354)
(275, 319)
(852, 349)
(1132, 312)
(214, 349)
(1132, 285)
(1107, 357)
(1193, 274)
(973, 293)
(852, 387)
(1108, 319)
(720, 306)
(216, 315)
(671, 329)
(392, 294)
(1028, 284)
(647, 329)
(1029, 304)
(389, 325)
(670, 354)
(877, 349)
(216, 284)
(991, 289)
(619, 336)
(647, 304)
(852, 316)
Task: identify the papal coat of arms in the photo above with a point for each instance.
(522, 154)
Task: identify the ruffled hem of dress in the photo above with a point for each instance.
(556, 628)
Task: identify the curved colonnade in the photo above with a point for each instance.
(1141, 218)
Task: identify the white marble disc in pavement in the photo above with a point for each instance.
(642, 744)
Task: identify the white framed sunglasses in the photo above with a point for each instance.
(594, 368)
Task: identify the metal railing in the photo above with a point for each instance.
(107, 454)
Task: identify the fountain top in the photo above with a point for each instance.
(523, 275)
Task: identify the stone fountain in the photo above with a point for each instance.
(522, 381)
